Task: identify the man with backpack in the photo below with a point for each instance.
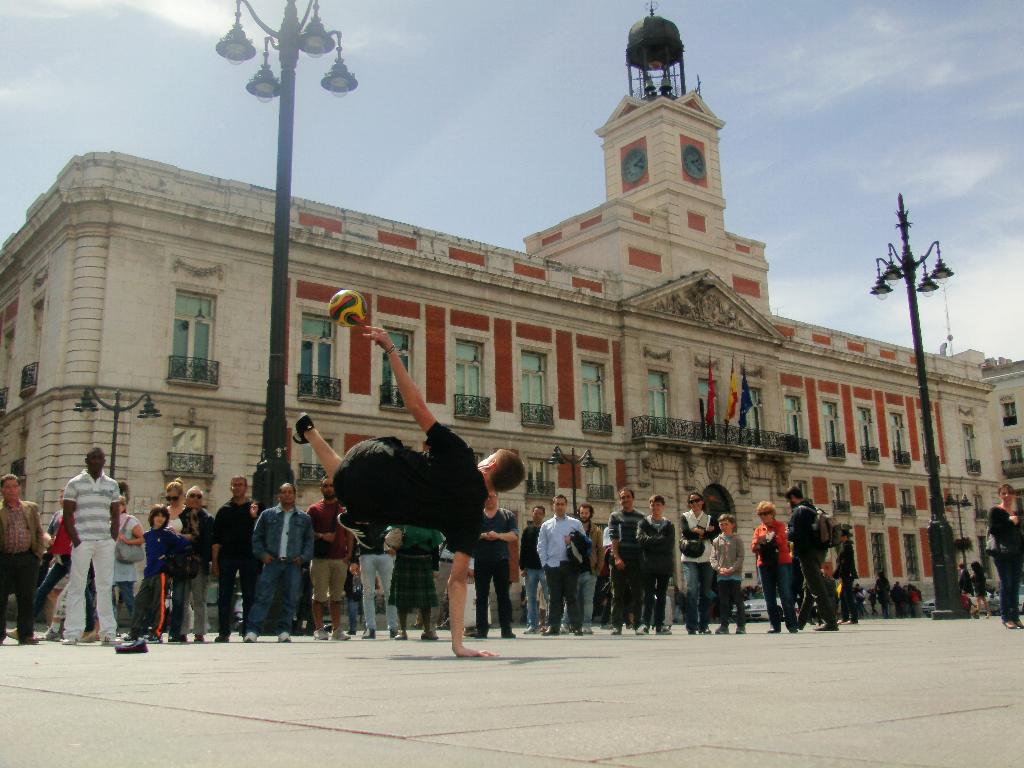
(811, 545)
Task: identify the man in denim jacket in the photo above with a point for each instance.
(283, 541)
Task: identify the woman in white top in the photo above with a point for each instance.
(129, 534)
(698, 529)
(175, 498)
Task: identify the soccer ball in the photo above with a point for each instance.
(347, 307)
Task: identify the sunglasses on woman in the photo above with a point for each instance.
(171, 498)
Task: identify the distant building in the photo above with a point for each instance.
(604, 333)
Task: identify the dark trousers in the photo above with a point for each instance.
(630, 577)
(655, 587)
(19, 574)
(562, 583)
(245, 570)
(778, 587)
(848, 602)
(815, 591)
(1008, 567)
(150, 612)
(730, 593)
(484, 573)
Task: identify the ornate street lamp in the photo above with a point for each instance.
(92, 402)
(961, 543)
(309, 36)
(901, 265)
(586, 461)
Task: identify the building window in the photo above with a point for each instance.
(896, 427)
(878, 553)
(979, 504)
(838, 492)
(596, 480)
(910, 556)
(1010, 413)
(754, 414)
(317, 346)
(702, 393)
(1016, 454)
(468, 356)
(188, 440)
(864, 426)
(533, 366)
(657, 394)
(832, 429)
(970, 450)
(793, 421)
(389, 392)
(193, 326)
(592, 392)
(537, 483)
(906, 498)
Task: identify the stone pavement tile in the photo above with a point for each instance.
(726, 757)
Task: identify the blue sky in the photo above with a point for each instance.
(478, 119)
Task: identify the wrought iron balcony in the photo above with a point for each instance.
(974, 466)
(29, 379)
(835, 450)
(191, 464)
(193, 370)
(908, 510)
(876, 508)
(390, 397)
(537, 415)
(595, 421)
(600, 492)
(1010, 421)
(311, 473)
(3, 401)
(1011, 467)
(18, 467)
(545, 488)
(473, 406)
(840, 507)
(981, 514)
(901, 458)
(869, 454)
(319, 388)
(699, 432)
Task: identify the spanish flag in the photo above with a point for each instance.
(734, 395)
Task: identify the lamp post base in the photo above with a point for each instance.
(943, 615)
(268, 478)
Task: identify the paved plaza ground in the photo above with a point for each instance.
(901, 692)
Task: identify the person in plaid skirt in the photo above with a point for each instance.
(412, 582)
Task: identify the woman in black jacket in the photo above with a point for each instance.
(657, 539)
(1004, 533)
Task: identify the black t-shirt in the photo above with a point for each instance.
(383, 481)
(232, 530)
(495, 551)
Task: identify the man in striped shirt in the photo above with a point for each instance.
(91, 516)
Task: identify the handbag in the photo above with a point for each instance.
(129, 553)
(182, 565)
(691, 547)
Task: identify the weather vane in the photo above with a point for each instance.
(652, 6)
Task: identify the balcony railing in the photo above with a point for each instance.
(18, 467)
(311, 473)
(390, 397)
(840, 507)
(869, 454)
(699, 432)
(545, 488)
(600, 492)
(595, 421)
(3, 401)
(908, 510)
(974, 466)
(876, 508)
(1011, 467)
(835, 450)
(29, 379)
(192, 464)
(537, 415)
(473, 406)
(1010, 421)
(900, 458)
(319, 388)
(193, 370)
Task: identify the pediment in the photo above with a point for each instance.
(703, 298)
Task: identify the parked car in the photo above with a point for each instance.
(756, 609)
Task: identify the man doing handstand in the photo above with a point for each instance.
(383, 481)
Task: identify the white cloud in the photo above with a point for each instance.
(930, 172)
(41, 88)
(205, 16)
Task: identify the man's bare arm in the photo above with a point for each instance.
(411, 395)
(69, 521)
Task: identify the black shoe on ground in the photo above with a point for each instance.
(775, 631)
(741, 631)
(827, 628)
(691, 631)
(553, 632)
(510, 635)
(722, 631)
(616, 630)
(663, 631)
(395, 633)
(222, 638)
(370, 634)
(177, 639)
(302, 425)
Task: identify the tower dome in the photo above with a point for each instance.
(654, 46)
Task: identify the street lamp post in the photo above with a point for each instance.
(585, 461)
(901, 265)
(960, 503)
(91, 402)
(309, 36)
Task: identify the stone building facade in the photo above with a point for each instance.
(601, 334)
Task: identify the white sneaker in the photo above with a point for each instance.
(52, 633)
(284, 637)
(339, 635)
(69, 641)
(321, 634)
(250, 637)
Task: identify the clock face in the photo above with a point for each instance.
(634, 165)
(693, 162)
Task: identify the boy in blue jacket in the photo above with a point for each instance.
(161, 542)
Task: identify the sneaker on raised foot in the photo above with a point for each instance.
(302, 425)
